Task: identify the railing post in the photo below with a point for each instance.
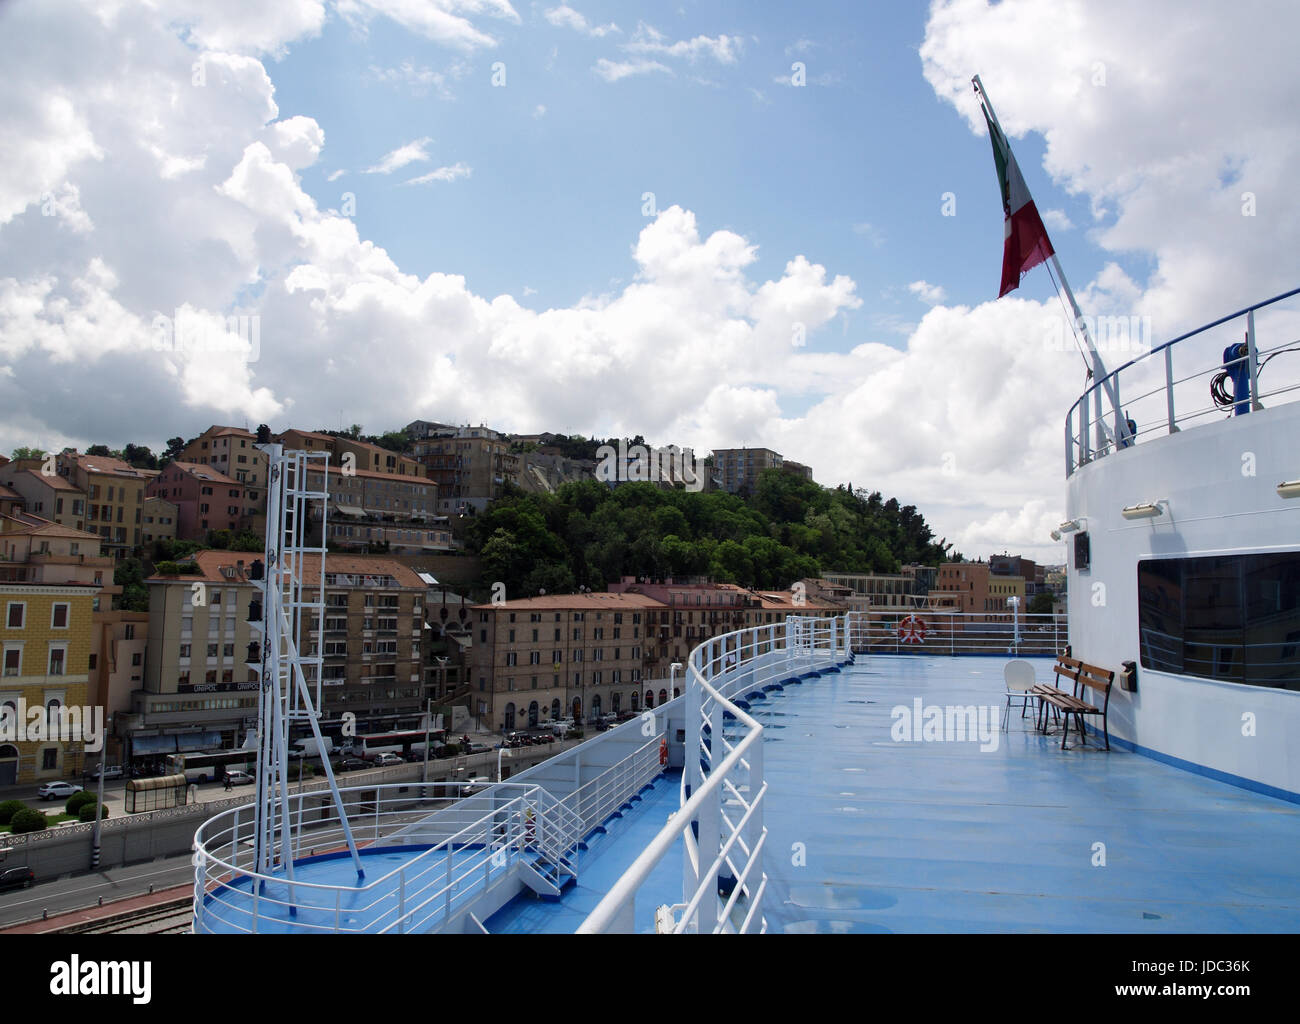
(754, 828)
(708, 915)
(1169, 388)
(1085, 450)
(1120, 425)
(1254, 361)
(1098, 418)
(1069, 443)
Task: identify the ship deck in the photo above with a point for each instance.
(870, 834)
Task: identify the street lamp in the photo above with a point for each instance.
(672, 678)
(1014, 604)
(99, 802)
(501, 752)
(428, 718)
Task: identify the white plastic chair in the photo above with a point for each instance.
(1019, 676)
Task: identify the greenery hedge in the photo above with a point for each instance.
(9, 808)
(177, 568)
(77, 801)
(28, 820)
(87, 813)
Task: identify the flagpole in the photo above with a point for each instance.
(1098, 365)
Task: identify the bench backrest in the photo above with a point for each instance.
(1082, 674)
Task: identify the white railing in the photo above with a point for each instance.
(937, 631)
(472, 845)
(594, 801)
(722, 780)
(1160, 400)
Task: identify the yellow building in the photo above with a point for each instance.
(46, 636)
(114, 498)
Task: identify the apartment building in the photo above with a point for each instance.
(797, 469)
(368, 508)
(160, 520)
(47, 495)
(970, 587)
(205, 499)
(471, 465)
(45, 647)
(737, 469)
(691, 612)
(1034, 575)
(572, 655)
(199, 691)
(115, 494)
(372, 642)
(876, 591)
(353, 455)
(233, 451)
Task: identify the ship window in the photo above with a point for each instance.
(1082, 551)
(1233, 618)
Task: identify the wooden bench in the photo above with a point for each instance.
(1072, 703)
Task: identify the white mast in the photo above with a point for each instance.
(289, 603)
(1121, 432)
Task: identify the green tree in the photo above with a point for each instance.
(129, 575)
(1041, 603)
(27, 453)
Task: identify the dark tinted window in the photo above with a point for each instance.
(1234, 618)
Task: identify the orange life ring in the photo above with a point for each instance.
(663, 751)
(911, 630)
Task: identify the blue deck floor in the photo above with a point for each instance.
(944, 837)
(601, 865)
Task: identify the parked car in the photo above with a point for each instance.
(240, 778)
(384, 760)
(112, 771)
(475, 748)
(57, 790)
(352, 764)
(16, 878)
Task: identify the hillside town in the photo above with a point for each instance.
(128, 584)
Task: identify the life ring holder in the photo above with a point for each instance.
(911, 630)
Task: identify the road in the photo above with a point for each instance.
(84, 890)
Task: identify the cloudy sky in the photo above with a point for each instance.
(716, 224)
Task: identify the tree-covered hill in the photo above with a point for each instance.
(587, 534)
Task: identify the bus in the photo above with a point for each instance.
(211, 766)
(403, 744)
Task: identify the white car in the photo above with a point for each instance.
(240, 778)
(55, 790)
(385, 760)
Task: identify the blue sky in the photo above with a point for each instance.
(412, 241)
(849, 170)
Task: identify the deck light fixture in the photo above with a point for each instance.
(1289, 489)
(1070, 525)
(1056, 535)
(1147, 510)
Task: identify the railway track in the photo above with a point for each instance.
(175, 917)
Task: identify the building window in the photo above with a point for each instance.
(58, 656)
(59, 616)
(49, 759)
(16, 614)
(13, 661)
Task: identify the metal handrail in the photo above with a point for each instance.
(1077, 447)
(530, 818)
(742, 658)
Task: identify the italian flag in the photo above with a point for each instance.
(1026, 244)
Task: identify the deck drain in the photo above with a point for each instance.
(1148, 916)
